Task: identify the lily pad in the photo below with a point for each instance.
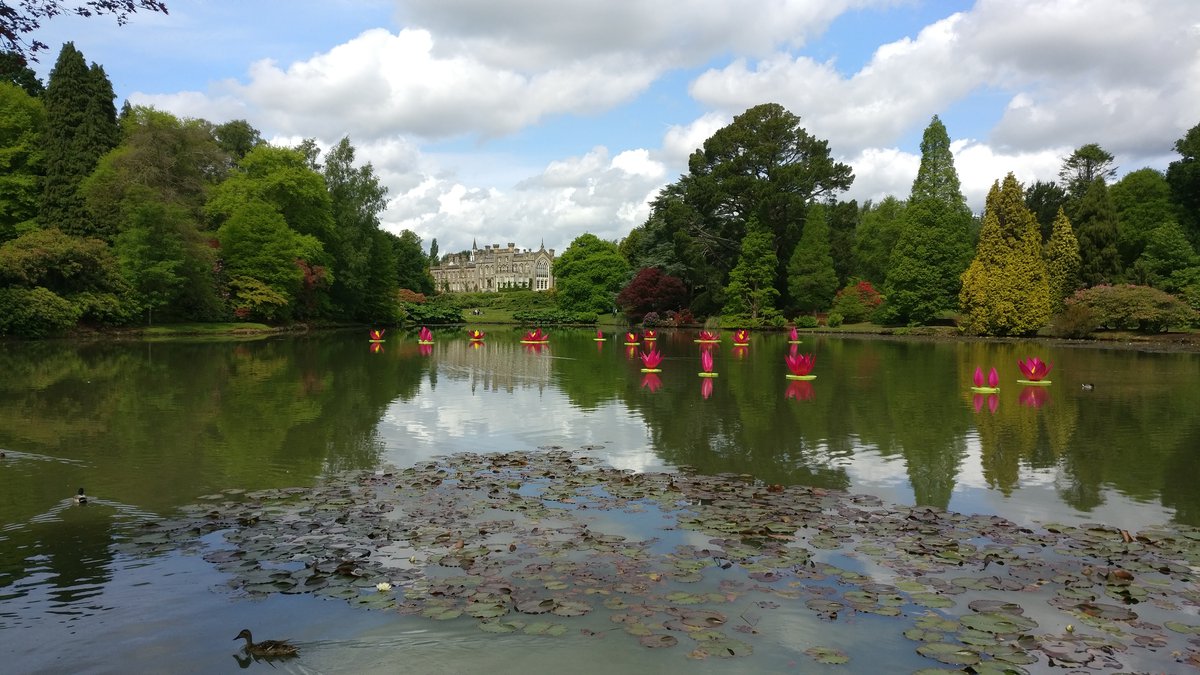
(827, 655)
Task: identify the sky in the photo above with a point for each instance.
(536, 121)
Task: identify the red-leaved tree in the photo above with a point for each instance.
(651, 291)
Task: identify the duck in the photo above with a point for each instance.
(1088, 386)
(266, 647)
(80, 498)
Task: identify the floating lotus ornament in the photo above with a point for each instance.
(706, 364)
(475, 334)
(1033, 396)
(1035, 371)
(631, 338)
(993, 402)
(800, 390)
(650, 335)
(993, 382)
(652, 382)
(741, 337)
(801, 366)
(706, 388)
(377, 334)
(535, 336)
(424, 336)
(599, 336)
(650, 361)
(794, 337)
(377, 347)
(708, 337)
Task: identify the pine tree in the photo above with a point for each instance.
(1005, 290)
(812, 281)
(81, 125)
(751, 291)
(1062, 260)
(934, 247)
(1096, 228)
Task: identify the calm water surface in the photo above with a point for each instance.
(148, 427)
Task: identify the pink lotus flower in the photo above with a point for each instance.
(741, 336)
(425, 335)
(1034, 369)
(794, 336)
(706, 361)
(709, 335)
(377, 333)
(650, 334)
(800, 364)
(993, 379)
(651, 381)
(475, 334)
(652, 359)
(599, 335)
(706, 388)
(536, 335)
(631, 337)
(800, 390)
(1033, 397)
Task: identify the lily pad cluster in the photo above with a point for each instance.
(539, 543)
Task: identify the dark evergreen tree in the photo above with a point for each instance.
(81, 125)
(843, 221)
(878, 230)
(1142, 199)
(1044, 199)
(1096, 229)
(13, 68)
(924, 273)
(812, 281)
(237, 138)
(1183, 175)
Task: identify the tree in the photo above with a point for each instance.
(257, 244)
(19, 21)
(164, 264)
(15, 69)
(1062, 261)
(879, 228)
(1183, 175)
(81, 271)
(812, 281)
(1143, 203)
(1096, 228)
(356, 200)
(843, 221)
(237, 138)
(1005, 291)
(1045, 198)
(433, 252)
(21, 122)
(81, 125)
(280, 177)
(1087, 164)
(1167, 253)
(934, 247)
(589, 274)
(651, 291)
(411, 265)
(751, 292)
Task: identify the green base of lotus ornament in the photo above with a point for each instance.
(424, 342)
(801, 377)
(651, 370)
(1035, 383)
(986, 390)
(707, 374)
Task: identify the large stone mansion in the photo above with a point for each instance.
(493, 268)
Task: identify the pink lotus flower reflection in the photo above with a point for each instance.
(706, 361)
(1034, 369)
(993, 402)
(1033, 397)
(651, 381)
(706, 388)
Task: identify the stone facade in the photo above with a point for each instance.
(493, 268)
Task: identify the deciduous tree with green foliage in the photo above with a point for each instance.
(1005, 290)
(412, 268)
(1142, 199)
(356, 200)
(934, 247)
(1183, 175)
(589, 275)
(878, 230)
(167, 265)
(1062, 261)
(22, 119)
(751, 293)
(1166, 259)
(812, 281)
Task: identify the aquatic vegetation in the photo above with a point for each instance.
(546, 543)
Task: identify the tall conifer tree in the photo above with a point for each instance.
(1062, 260)
(1005, 289)
(81, 125)
(751, 292)
(934, 247)
(812, 280)
(1096, 228)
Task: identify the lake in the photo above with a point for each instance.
(151, 427)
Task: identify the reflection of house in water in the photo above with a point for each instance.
(502, 366)
(493, 268)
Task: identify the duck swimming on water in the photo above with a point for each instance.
(80, 498)
(266, 647)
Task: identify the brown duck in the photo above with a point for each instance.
(266, 647)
